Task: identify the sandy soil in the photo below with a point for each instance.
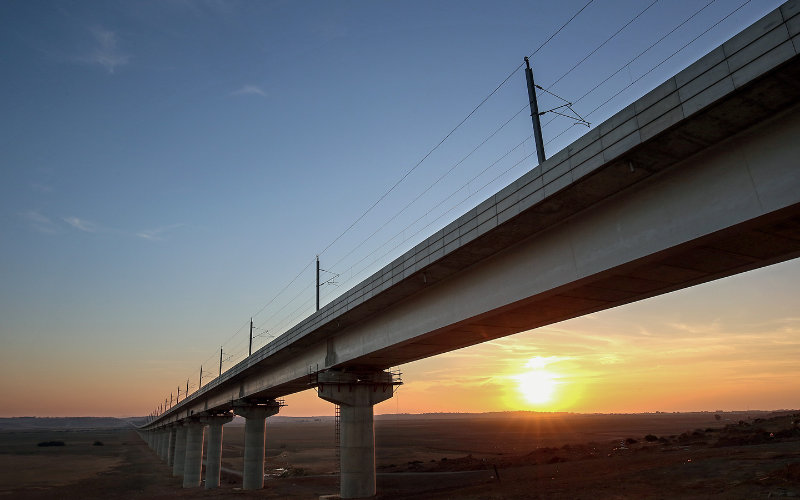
(514, 456)
(62, 469)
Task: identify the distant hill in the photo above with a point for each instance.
(61, 423)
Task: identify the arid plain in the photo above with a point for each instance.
(468, 456)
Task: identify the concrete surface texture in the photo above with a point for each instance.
(214, 449)
(193, 459)
(254, 436)
(180, 450)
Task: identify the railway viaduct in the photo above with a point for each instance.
(697, 180)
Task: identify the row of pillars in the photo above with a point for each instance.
(180, 444)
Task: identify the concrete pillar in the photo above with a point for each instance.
(171, 446)
(214, 449)
(193, 461)
(163, 443)
(254, 430)
(180, 449)
(356, 394)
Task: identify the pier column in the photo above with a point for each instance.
(356, 394)
(214, 453)
(171, 446)
(163, 443)
(254, 430)
(157, 443)
(193, 460)
(214, 449)
(180, 449)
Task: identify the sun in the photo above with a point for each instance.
(537, 385)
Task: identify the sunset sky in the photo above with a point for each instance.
(169, 169)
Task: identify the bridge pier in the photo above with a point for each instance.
(180, 449)
(157, 443)
(163, 443)
(193, 460)
(356, 394)
(254, 433)
(171, 446)
(214, 453)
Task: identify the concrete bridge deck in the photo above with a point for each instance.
(697, 180)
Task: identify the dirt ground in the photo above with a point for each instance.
(502, 456)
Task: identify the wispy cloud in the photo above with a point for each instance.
(39, 222)
(106, 53)
(81, 224)
(157, 233)
(249, 90)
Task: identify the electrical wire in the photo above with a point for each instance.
(431, 151)
(284, 288)
(557, 31)
(659, 64)
(640, 54)
(670, 56)
(505, 80)
(479, 190)
(590, 54)
(442, 202)
(431, 186)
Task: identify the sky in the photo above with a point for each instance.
(170, 169)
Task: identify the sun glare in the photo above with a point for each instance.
(537, 385)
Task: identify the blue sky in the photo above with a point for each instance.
(168, 167)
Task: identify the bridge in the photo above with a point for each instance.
(697, 180)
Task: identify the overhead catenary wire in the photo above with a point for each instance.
(432, 185)
(442, 202)
(454, 207)
(442, 141)
(483, 101)
(673, 54)
(670, 56)
(557, 31)
(590, 54)
(632, 60)
(579, 117)
(637, 56)
(431, 151)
